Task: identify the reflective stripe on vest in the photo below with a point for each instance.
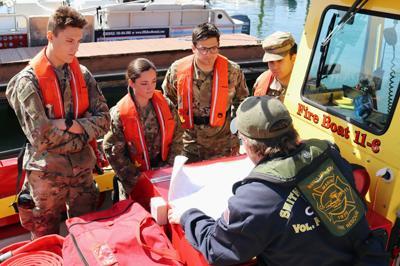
(51, 91)
(134, 133)
(219, 96)
(263, 83)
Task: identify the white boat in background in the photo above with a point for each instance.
(23, 22)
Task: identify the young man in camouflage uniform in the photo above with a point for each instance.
(207, 89)
(60, 109)
(280, 55)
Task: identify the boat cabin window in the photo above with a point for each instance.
(354, 73)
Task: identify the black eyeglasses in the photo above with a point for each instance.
(206, 50)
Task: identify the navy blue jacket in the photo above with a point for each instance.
(272, 222)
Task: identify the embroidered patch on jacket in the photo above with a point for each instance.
(333, 198)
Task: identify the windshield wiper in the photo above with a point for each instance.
(354, 9)
(357, 5)
(324, 51)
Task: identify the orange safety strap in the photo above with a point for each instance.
(264, 81)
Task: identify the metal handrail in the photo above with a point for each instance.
(93, 8)
(171, 11)
(9, 153)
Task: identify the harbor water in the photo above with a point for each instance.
(268, 16)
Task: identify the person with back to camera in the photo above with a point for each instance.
(145, 132)
(207, 89)
(296, 207)
(62, 113)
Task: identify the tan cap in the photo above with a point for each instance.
(277, 45)
(257, 118)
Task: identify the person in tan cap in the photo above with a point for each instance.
(298, 205)
(280, 54)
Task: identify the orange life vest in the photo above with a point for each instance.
(134, 133)
(219, 96)
(51, 92)
(263, 82)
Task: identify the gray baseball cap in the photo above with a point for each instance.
(257, 116)
(277, 45)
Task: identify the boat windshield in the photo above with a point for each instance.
(355, 76)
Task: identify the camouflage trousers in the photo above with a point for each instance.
(52, 195)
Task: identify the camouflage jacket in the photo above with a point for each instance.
(50, 149)
(202, 84)
(116, 147)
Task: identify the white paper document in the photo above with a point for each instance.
(206, 187)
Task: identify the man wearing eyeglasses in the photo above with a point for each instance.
(207, 88)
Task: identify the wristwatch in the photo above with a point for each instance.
(68, 123)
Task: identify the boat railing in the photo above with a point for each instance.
(9, 153)
(123, 5)
(121, 19)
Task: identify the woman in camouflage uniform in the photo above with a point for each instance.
(145, 132)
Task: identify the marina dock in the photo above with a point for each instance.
(107, 58)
